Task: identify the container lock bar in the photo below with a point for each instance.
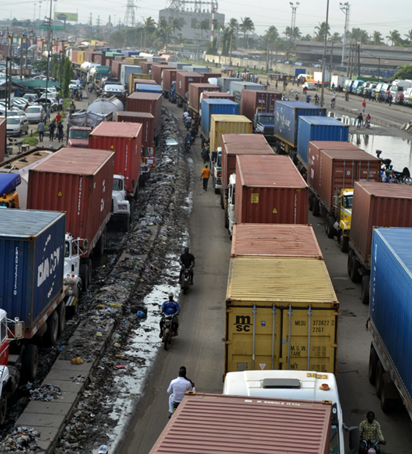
(254, 311)
(309, 330)
(273, 336)
(290, 312)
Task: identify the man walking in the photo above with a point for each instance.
(205, 176)
(178, 388)
(61, 104)
(360, 120)
(364, 105)
(41, 128)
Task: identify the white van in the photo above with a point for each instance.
(398, 88)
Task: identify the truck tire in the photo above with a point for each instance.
(222, 201)
(354, 275)
(132, 207)
(365, 289)
(99, 249)
(373, 362)
(330, 221)
(29, 363)
(3, 409)
(217, 191)
(344, 243)
(389, 394)
(52, 331)
(226, 220)
(379, 376)
(61, 313)
(316, 207)
(126, 224)
(310, 204)
(84, 276)
(349, 263)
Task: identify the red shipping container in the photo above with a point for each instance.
(157, 69)
(98, 58)
(378, 205)
(231, 150)
(339, 169)
(116, 68)
(183, 79)
(270, 190)
(263, 101)
(218, 95)
(125, 139)
(78, 181)
(146, 66)
(75, 56)
(147, 121)
(169, 76)
(194, 93)
(207, 76)
(3, 128)
(146, 102)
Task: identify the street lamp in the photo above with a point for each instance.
(344, 7)
(324, 54)
(379, 63)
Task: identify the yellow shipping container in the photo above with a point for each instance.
(227, 124)
(132, 77)
(277, 310)
(134, 60)
(80, 57)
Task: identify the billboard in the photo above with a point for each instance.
(66, 17)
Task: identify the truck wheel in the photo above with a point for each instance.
(126, 223)
(310, 202)
(354, 275)
(3, 409)
(226, 220)
(89, 269)
(373, 362)
(330, 230)
(29, 363)
(389, 394)
(365, 289)
(344, 243)
(379, 376)
(84, 276)
(222, 202)
(217, 191)
(101, 244)
(132, 207)
(52, 331)
(61, 313)
(316, 207)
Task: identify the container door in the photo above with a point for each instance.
(242, 339)
(320, 340)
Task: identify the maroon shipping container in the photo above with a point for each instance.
(231, 150)
(146, 66)
(218, 424)
(183, 79)
(78, 181)
(88, 56)
(107, 61)
(157, 69)
(218, 95)
(146, 102)
(143, 81)
(169, 76)
(378, 205)
(3, 128)
(270, 190)
(263, 101)
(339, 169)
(98, 58)
(207, 76)
(125, 139)
(117, 68)
(147, 121)
(194, 94)
(75, 56)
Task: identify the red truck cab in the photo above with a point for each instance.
(79, 136)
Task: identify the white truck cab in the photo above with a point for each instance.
(231, 192)
(71, 273)
(120, 205)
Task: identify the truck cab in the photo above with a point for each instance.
(71, 273)
(343, 210)
(79, 136)
(8, 195)
(121, 211)
(216, 164)
(264, 123)
(230, 211)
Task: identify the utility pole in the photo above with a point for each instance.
(293, 23)
(91, 24)
(49, 47)
(324, 54)
(21, 53)
(345, 9)
(98, 25)
(358, 50)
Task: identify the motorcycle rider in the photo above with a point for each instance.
(316, 99)
(370, 431)
(187, 260)
(177, 389)
(170, 307)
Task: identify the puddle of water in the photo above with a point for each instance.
(395, 148)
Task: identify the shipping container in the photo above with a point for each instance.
(377, 205)
(215, 423)
(262, 102)
(98, 58)
(319, 128)
(80, 57)
(270, 190)
(116, 68)
(391, 316)
(224, 82)
(194, 94)
(74, 59)
(183, 79)
(227, 124)
(146, 102)
(215, 107)
(78, 181)
(195, 69)
(168, 76)
(217, 95)
(299, 71)
(139, 79)
(125, 140)
(210, 76)
(248, 144)
(292, 286)
(31, 265)
(147, 88)
(180, 64)
(3, 127)
(146, 66)
(275, 240)
(157, 70)
(147, 121)
(125, 72)
(237, 86)
(287, 114)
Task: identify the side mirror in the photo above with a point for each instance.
(19, 330)
(353, 439)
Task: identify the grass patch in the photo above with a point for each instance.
(32, 141)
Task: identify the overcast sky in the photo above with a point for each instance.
(377, 15)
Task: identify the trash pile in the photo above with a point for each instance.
(46, 393)
(21, 439)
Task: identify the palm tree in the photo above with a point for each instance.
(409, 36)
(149, 25)
(358, 35)
(246, 26)
(377, 38)
(320, 31)
(394, 37)
(203, 26)
(306, 38)
(234, 25)
(336, 38)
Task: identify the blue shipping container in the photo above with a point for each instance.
(299, 71)
(238, 86)
(390, 299)
(32, 262)
(216, 107)
(287, 114)
(125, 72)
(224, 82)
(148, 88)
(319, 128)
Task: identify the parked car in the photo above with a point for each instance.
(30, 96)
(309, 86)
(16, 113)
(49, 102)
(20, 103)
(16, 126)
(72, 85)
(35, 114)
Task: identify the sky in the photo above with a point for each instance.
(376, 15)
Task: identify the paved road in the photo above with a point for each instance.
(200, 348)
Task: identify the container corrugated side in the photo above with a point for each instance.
(148, 124)
(275, 240)
(194, 93)
(169, 76)
(218, 95)
(216, 107)
(224, 82)
(391, 292)
(258, 101)
(286, 118)
(146, 102)
(227, 124)
(215, 423)
(378, 205)
(238, 86)
(32, 262)
(183, 79)
(292, 286)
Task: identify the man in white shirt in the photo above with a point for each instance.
(178, 388)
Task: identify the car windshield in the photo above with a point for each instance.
(267, 119)
(13, 121)
(347, 201)
(33, 110)
(79, 134)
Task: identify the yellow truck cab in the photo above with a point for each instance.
(8, 195)
(344, 217)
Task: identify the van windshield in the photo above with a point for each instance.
(334, 440)
(79, 134)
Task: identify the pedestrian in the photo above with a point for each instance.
(47, 115)
(60, 132)
(363, 105)
(293, 81)
(360, 120)
(52, 127)
(41, 128)
(276, 85)
(390, 99)
(178, 388)
(205, 155)
(61, 105)
(205, 177)
(72, 107)
(58, 118)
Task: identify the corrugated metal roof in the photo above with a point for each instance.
(212, 423)
(25, 223)
(328, 121)
(275, 240)
(272, 279)
(346, 154)
(386, 190)
(117, 129)
(396, 238)
(142, 95)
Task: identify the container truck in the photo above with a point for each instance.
(157, 70)
(79, 136)
(125, 72)
(236, 88)
(146, 66)
(168, 76)
(138, 79)
(149, 103)
(287, 114)
(224, 82)
(147, 88)
(183, 79)
(213, 107)
(317, 78)
(214, 423)
(333, 168)
(390, 314)
(374, 205)
(213, 95)
(338, 81)
(79, 182)
(227, 124)
(195, 91)
(8, 190)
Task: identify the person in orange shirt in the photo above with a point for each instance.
(205, 176)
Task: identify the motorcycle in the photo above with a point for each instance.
(346, 96)
(371, 447)
(308, 99)
(188, 144)
(168, 331)
(185, 279)
(316, 100)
